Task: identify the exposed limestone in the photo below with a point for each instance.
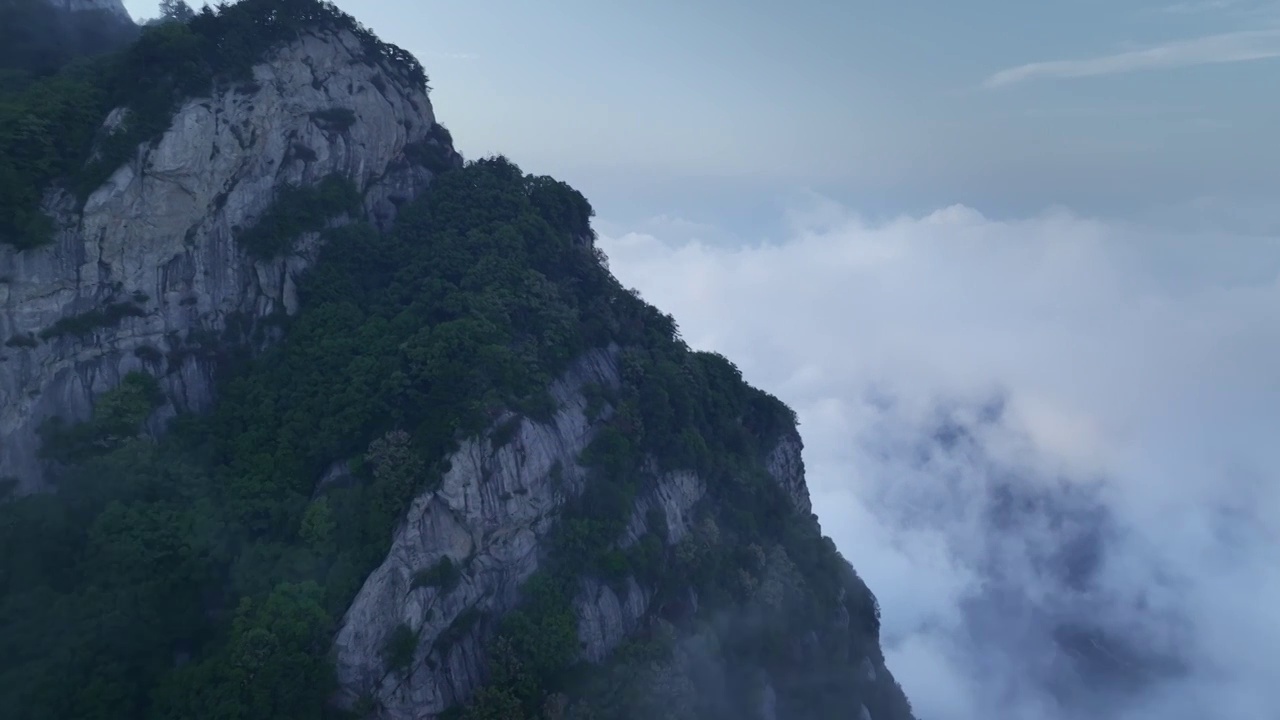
(160, 233)
(673, 496)
(488, 515)
(786, 466)
(608, 615)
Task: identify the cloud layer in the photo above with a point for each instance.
(1046, 444)
(1206, 50)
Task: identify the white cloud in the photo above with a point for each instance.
(1236, 9)
(1141, 369)
(1230, 47)
(1199, 6)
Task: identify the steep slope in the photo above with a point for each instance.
(489, 523)
(155, 258)
(452, 466)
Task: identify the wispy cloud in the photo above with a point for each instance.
(1199, 6)
(1239, 9)
(1110, 111)
(1211, 49)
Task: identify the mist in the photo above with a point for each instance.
(38, 38)
(1044, 442)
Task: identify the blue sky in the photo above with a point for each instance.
(713, 108)
(1071, 206)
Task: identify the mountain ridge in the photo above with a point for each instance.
(351, 428)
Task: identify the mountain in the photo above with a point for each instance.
(306, 417)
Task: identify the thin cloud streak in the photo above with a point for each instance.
(1236, 9)
(1199, 6)
(1230, 47)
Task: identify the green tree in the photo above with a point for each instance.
(398, 469)
(176, 11)
(318, 525)
(275, 664)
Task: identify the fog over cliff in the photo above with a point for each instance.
(1044, 442)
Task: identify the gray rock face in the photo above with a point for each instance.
(609, 615)
(112, 6)
(786, 466)
(161, 233)
(488, 515)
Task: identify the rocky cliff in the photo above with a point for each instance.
(475, 475)
(150, 263)
(487, 517)
(490, 520)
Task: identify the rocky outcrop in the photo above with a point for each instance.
(489, 518)
(786, 464)
(609, 614)
(491, 510)
(699, 678)
(149, 265)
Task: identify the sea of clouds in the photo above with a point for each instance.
(1051, 445)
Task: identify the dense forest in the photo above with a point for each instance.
(203, 574)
